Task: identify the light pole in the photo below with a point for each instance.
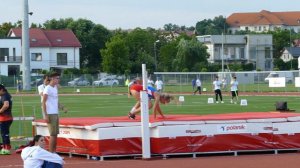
(155, 57)
(291, 47)
(25, 47)
(222, 56)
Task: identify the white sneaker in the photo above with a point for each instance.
(222, 102)
(217, 102)
(235, 102)
(231, 101)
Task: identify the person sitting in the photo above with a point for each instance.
(162, 98)
(37, 157)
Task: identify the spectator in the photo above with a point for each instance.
(36, 156)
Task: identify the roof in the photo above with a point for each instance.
(264, 17)
(48, 38)
(294, 51)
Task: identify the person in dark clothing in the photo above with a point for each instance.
(6, 119)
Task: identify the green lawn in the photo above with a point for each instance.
(119, 105)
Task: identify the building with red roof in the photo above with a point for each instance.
(49, 49)
(264, 21)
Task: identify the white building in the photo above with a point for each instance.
(256, 49)
(10, 55)
(264, 21)
(49, 49)
(290, 53)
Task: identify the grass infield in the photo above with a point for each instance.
(119, 105)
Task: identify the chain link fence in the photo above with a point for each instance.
(176, 82)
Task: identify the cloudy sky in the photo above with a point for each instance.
(128, 14)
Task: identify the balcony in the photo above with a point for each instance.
(10, 59)
(54, 63)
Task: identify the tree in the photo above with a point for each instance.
(4, 28)
(166, 54)
(140, 42)
(212, 27)
(189, 53)
(115, 56)
(58, 24)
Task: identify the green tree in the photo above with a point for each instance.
(4, 28)
(166, 54)
(140, 42)
(212, 27)
(92, 38)
(189, 53)
(115, 56)
(58, 24)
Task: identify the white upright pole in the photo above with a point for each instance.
(25, 48)
(145, 117)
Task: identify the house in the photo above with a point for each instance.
(252, 48)
(290, 53)
(49, 49)
(296, 43)
(264, 21)
(10, 55)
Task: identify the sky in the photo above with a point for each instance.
(129, 14)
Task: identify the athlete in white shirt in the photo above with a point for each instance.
(50, 109)
(41, 89)
(198, 84)
(217, 88)
(234, 90)
(35, 156)
(159, 85)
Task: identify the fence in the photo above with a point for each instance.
(176, 82)
(248, 81)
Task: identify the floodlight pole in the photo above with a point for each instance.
(145, 117)
(299, 65)
(222, 56)
(155, 54)
(25, 48)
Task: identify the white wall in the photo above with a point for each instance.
(44, 64)
(72, 54)
(12, 43)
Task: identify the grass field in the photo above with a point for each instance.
(119, 105)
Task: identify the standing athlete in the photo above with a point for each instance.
(217, 88)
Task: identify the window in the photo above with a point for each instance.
(231, 52)
(217, 54)
(36, 70)
(36, 56)
(242, 53)
(13, 69)
(252, 53)
(62, 59)
(3, 52)
(267, 52)
(265, 29)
